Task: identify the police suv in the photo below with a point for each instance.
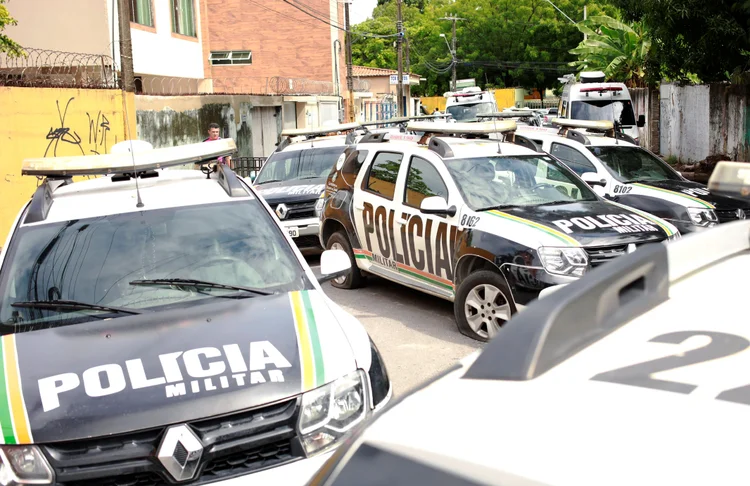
(631, 175)
(158, 327)
(618, 379)
(481, 223)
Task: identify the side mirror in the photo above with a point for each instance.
(333, 264)
(437, 205)
(592, 179)
(641, 121)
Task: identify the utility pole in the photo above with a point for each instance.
(349, 78)
(454, 58)
(400, 47)
(126, 46)
(585, 36)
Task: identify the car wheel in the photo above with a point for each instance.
(353, 279)
(483, 304)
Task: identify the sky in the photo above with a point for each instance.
(360, 10)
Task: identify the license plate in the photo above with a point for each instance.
(293, 231)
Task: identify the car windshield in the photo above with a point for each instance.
(630, 164)
(620, 111)
(469, 113)
(299, 164)
(529, 180)
(93, 261)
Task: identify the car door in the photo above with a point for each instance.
(375, 204)
(428, 241)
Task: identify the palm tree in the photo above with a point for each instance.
(619, 50)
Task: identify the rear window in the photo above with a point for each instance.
(311, 163)
(621, 111)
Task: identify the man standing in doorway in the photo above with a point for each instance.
(213, 134)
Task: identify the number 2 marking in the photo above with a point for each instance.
(721, 346)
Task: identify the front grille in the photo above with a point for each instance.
(234, 445)
(604, 254)
(301, 210)
(727, 215)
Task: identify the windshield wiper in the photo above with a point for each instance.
(268, 182)
(183, 283)
(72, 305)
(497, 207)
(631, 181)
(308, 177)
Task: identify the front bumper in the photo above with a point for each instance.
(527, 282)
(295, 473)
(307, 231)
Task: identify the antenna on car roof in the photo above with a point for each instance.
(139, 203)
(494, 124)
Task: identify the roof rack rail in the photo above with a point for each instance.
(576, 136)
(526, 142)
(229, 181)
(565, 322)
(440, 147)
(41, 201)
(122, 163)
(374, 138)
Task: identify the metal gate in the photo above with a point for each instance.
(379, 110)
(244, 166)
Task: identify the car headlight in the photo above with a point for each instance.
(319, 206)
(571, 262)
(702, 216)
(330, 411)
(24, 464)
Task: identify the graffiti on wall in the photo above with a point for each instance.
(98, 128)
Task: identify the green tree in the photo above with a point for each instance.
(7, 45)
(710, 39)
(619, 50)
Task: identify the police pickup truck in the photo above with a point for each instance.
(482, 223)
(619, 379)
(631, 175)
(158, 327)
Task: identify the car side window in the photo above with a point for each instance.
(574, 159)
(423, 180)
(381, 179)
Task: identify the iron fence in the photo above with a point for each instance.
(47, 68)
(244, 166)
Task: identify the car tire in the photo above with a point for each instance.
(353, 279)
(483, 304)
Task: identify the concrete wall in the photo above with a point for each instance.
(166, 121)
(646, 103)
(698, 121)
(80, 26)
(49, 122)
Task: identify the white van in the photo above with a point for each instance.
(593, 99)
(466, 105)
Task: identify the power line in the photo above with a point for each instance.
(327, 22)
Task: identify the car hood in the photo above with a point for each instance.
(585, 223)
(292, 191)
(139, 372)
(690, 194)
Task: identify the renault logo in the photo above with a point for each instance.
(740, 214)
(180, 452)
(282, 211)
(631, 248)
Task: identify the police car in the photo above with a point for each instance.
(158, 327)
(618, 379)
(481, 223)
(292, 179)
(631, 175)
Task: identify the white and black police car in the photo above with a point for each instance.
(481, 223)
(158, 327)
(624, 172)
(619, 378)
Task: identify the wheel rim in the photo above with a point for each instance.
(486, 309)
(338, 246)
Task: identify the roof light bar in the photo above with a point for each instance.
(595, 125)
(482, 128)
(122, 163)
(731, 179)
(508, 114)
(402, 119)
(306, 132)
(601, 89)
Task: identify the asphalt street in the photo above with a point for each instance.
(415, 332)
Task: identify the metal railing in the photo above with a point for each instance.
(59, 69)
(243, 166)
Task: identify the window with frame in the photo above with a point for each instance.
(183, 17)
(383, 173)
(140, 12)
(231, 57)
(423, 180)
(571, 157)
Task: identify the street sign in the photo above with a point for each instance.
(465, 83)
(394, 79)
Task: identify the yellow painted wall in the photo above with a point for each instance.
(49, 122)
(506, 98)
(432, 102)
